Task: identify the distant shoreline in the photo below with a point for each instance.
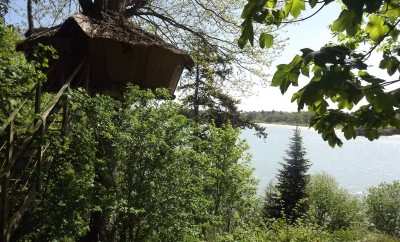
(300, 119)
(383, 132)
(284, 124)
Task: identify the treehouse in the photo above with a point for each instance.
(112, 52)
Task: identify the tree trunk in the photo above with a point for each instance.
(117, 6)
(30, 18)
(97, 231)
(100, 5)
(89, 7)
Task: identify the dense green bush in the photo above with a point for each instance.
(146, 172)
(304, 231)
(331, 206)
(383, 207)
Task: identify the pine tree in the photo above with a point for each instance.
(292, 180)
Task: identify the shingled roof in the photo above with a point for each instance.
(117, 51)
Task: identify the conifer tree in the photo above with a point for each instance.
(291, 185)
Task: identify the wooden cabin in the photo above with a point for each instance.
(115, 52)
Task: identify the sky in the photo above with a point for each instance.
(313, 34)
(14, 15)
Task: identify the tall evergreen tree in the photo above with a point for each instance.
(291, 185)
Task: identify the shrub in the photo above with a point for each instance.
(331, 206)
(383, 207)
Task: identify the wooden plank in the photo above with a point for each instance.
(38, 98)
(9, 224)
(38, 101)
(36, 126)
(65, 118)
(17, 216)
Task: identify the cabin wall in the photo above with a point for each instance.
(111, 62)
(115, 64)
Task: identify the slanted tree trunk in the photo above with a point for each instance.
(29, 17)
(118, 6)
(87, 6)
(101, 5)
(90, 7)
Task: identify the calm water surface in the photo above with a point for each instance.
(357, 165)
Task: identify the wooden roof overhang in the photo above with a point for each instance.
(116, 53)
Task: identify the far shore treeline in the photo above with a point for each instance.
(291, 118)
(298, 119)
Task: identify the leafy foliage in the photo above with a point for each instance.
(383, 207)
(330, 206)
(338, 73)
(18, 76)
(146, 173)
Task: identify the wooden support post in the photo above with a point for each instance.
(65, 120)
(38, 100)
(30, 17)
(40, 156)
(87, 77)
(196, 93)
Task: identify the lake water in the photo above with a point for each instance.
(357, 165)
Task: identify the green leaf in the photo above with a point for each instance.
(356, 6)
(371, 134)
(247, 34)
(348, 21)
(376, 28)
(392, 10)
(280, 78)
(305, 70)
(391, 64)
(294, 7)
(248, 9)
(266, 40)
(349, 132)
(365, 76)
(287, 75)
(313, 3)
(395, 34)
(270, 3)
